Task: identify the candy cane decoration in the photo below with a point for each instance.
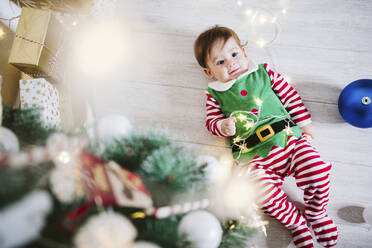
(18, 160)
(164, 212)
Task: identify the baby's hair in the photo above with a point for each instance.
(205, 40)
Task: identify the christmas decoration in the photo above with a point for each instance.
(27, 125)
(8, 141)
(201, 229)
(22, 221)
(128, 188)
(228, 203)
(209, 165)
(354, 103)
(109, 184)
(367, 215)
(37, 45)
(40, 93)
(33, 156)
(236, 234)
(106, 230)
(113, 127)
(172, 170)
(131, 151)
(144, 244)
(166, 211)
(67, 183)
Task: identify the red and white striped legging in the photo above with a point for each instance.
(300, 160)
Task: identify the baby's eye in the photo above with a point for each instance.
(220, 62)
(234, 54)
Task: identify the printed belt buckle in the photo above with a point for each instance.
(262, 136)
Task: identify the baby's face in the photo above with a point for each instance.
(226, 61)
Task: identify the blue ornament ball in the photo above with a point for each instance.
(355, 103)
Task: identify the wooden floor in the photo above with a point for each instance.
(322, 46)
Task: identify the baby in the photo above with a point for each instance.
(266, 122)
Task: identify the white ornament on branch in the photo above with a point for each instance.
(67, 183)
(106, 230)
(209, 166)
(8, 141)
(22, 221)
(111, 127)
(201, 228)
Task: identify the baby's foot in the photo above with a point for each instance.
(325, 230)
(302, 236)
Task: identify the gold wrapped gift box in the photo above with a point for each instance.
(37, 43)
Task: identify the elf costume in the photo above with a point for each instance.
(269, 114)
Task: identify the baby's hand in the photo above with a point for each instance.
(228, 126)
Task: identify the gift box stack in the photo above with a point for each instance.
(36, 53)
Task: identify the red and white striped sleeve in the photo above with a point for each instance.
(289, 97)
(214, 116)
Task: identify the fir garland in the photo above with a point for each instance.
(163, 232)
(27, 125)
(169, 171)
(21, 182)
(131, 151)
(235, 234)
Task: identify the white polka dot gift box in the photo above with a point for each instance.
(38, 92)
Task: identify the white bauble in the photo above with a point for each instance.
(106, 230)
(22, 221)
(201, 228)
(8, 140)
(367, 215)
(112, 127)
(144, 244)
(210, 165)
(66, 182)
(57, 142)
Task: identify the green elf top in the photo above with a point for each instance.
(257, 98)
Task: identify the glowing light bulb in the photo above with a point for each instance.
(248, 12)
(64, 157)
(242, 117)
(74, 23)
(284, 11)
(237, 139)
(263, 19)
(258, 101)
(239, 3)
(261, 43)
(249, 125)
(288, 130)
